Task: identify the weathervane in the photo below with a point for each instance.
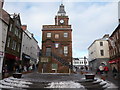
(61, 1)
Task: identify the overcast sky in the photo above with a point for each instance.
(89, 20)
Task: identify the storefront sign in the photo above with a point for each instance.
(10, 56)
(44, 59)
(114, 61)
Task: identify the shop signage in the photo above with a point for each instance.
(44, 59)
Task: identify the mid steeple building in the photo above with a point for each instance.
(57, 45)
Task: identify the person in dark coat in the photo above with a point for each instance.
(114, 71)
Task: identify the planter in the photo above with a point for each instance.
(89, 76)
(17, 75)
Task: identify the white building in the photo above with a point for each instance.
(99, 52)
(4, 22)
(29, 51)
(79, 62)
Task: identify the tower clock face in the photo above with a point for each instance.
(61, 21)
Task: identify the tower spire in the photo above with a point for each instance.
(61, 1)
(61, 11)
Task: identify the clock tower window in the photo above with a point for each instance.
(48, 35)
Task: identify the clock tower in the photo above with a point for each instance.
(61, 18)
(57, 45)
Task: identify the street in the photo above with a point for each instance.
(37, 80)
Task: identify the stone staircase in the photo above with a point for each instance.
(93, 84)
(62, 61)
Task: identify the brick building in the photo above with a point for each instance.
(57, 45)
(13, 45)
(114, 48)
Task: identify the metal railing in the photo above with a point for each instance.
(63, 61)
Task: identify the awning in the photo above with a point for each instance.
(10, 56)
(114, 61)
(25, 56)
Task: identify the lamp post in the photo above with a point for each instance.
(85, 60)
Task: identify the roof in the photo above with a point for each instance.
(61, 10)
(101, 39)
(117, 28)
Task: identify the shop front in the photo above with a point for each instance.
(11, 64)
(115, 63)
(25, 59)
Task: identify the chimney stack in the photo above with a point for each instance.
(106, 36)
(24, 27)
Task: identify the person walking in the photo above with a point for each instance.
(114, 71)
(98, 71)
(102, 75)
(101, 68)
(106, 69)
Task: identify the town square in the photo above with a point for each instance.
(60, 44)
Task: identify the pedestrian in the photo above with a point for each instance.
(98, 71)
(114, 71)
(25, 68)
(20, 68)
(30, 68)
(5, 71)
(33, 66)
(86, 68)
(106, 69)
(101, 68)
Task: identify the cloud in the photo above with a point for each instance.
(92, 23)
(89, 21)
(60, 0)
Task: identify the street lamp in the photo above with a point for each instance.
(85, 62)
